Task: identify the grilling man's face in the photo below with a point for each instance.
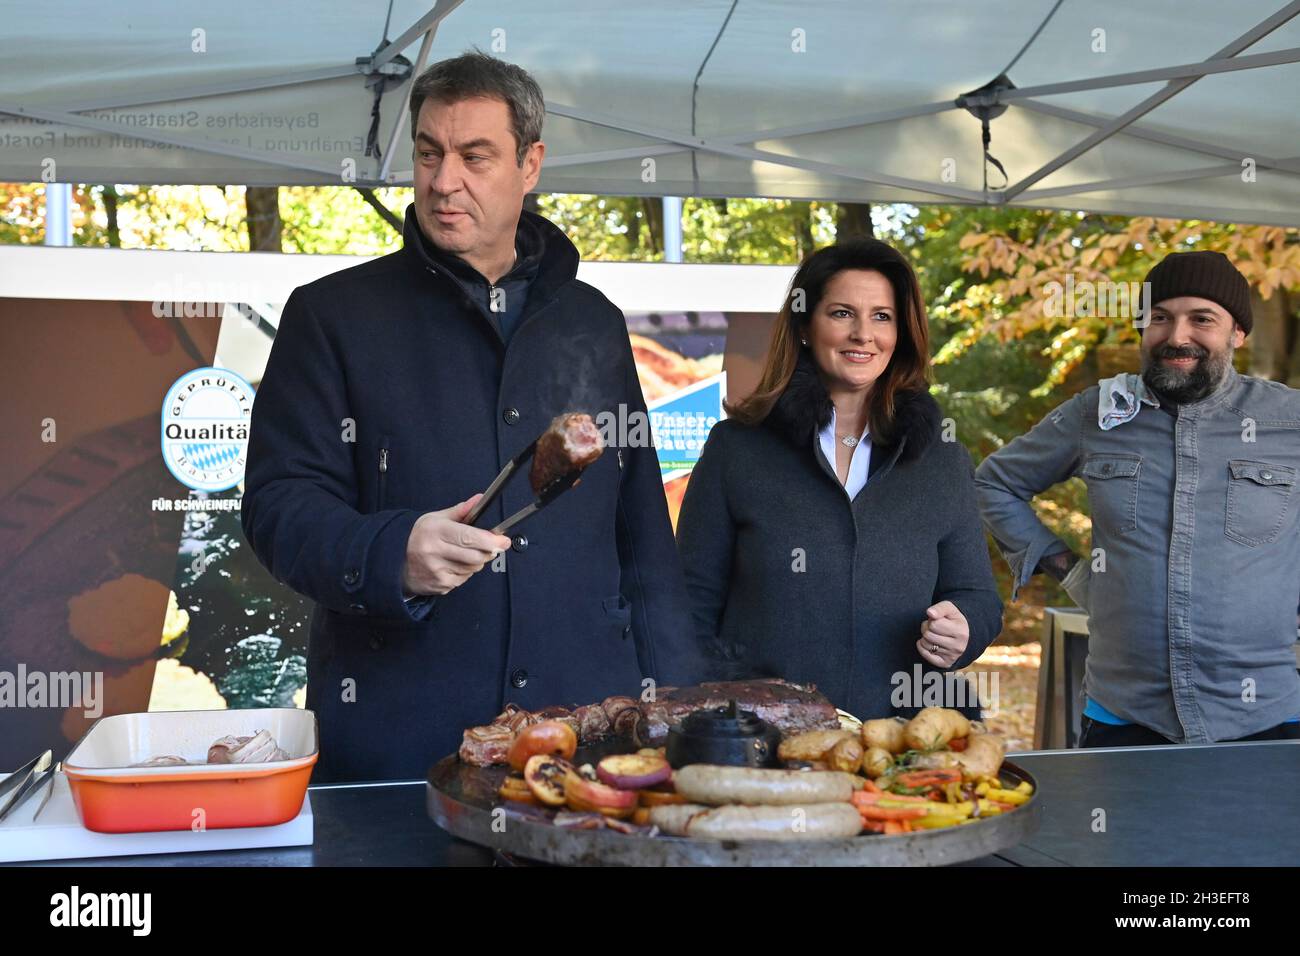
(469, 189)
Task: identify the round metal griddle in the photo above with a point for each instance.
(463, 801)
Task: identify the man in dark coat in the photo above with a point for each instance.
(398, 389)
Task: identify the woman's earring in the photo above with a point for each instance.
(804, 341)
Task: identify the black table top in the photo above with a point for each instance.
(1189, 805)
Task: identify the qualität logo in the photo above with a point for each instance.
(205, 419)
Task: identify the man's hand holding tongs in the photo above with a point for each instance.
(445, 548)
(443, 551)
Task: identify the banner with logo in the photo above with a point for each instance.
(87, 560)
(688, 363)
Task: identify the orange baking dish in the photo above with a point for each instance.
(112, 796)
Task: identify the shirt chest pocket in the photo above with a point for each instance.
(1113, 492)
(1259, 498)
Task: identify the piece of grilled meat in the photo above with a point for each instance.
(791, 708)
(571, 444)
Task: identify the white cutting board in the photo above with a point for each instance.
(59, 835)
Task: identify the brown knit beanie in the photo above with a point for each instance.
(1206, 275)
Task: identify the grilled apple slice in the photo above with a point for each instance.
(547, 776)
(548, 737)
(633, 771)
(583, 794)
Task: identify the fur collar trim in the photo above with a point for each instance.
(804, 409)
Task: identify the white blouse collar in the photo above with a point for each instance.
(859, 464)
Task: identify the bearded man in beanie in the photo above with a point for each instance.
(1193, 580)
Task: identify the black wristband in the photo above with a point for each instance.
(1057, 566)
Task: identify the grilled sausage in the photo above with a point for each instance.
(672, 818)
(816, 821)
(705, 783)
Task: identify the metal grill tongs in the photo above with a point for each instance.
(548, 494)
(25, 781)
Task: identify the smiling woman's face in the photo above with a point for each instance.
(853, 331)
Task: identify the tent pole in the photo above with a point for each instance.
(427, 22)
(215, 89)
(611, 155)
(1188, 71)
(672, 228)
(830, 125)
(754, 136)
(405, 99)
(1199, 210)
(763, 156)
(1132, 182)
(1165, 139)
(58, 214)
(1174, 87)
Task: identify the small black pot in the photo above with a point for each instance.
(723, 735)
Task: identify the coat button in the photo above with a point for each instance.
(520, 542)
(359, 608)
(1107, 468)
(1266, 475)
(519, 678)
(376, 642)
(511, 416)
(352, 576)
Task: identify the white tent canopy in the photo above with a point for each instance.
(1179, 108)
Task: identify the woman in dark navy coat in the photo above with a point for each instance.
(829, 533)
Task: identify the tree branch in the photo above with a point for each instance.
(385, 213)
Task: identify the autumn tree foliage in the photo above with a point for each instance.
(1020, 277)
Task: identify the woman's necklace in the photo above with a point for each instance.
(849, 440)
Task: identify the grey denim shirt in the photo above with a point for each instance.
(1194, 576)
